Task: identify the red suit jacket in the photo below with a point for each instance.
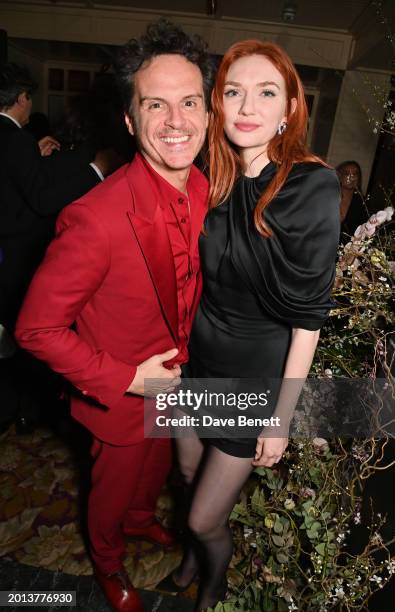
(109, 271)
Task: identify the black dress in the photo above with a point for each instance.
(257, 289)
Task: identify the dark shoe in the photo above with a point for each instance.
(154, 532)
(119, 591)
(23, 426)
(169, 585)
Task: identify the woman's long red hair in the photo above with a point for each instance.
(284, 150)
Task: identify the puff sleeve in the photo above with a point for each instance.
(293, 271)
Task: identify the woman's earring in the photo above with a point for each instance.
(281, 128)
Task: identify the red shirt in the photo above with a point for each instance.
(178, 209)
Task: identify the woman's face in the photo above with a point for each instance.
(255, 101)
(349, 176)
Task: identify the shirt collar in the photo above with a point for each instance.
(11, 118)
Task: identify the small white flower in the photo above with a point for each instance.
(339, 592)
(391, 568)
(376, 579)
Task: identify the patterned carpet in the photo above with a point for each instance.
(43, 485)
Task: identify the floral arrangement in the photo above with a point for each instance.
(354, 341)
(291, 531)
(292, 526)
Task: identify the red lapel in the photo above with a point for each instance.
(151, 233)
(199, 204)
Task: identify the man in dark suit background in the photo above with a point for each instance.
(36, 182)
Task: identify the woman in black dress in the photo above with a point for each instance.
(268, 259)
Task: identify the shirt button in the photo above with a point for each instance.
(180, 201)
(183, 220)
(84, 392)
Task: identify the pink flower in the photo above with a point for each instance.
(370, 228)
(360, 232)
(379, 217)
(373, 219)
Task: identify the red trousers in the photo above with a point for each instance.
(126, 483)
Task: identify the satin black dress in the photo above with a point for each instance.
(257, 289)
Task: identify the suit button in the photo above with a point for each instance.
(183, 220)
(180, 201)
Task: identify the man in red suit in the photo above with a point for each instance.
(123, 270)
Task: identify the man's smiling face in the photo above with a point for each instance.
(169, 117)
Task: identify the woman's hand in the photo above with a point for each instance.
(269, 451)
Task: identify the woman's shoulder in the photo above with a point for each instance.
(310, 195)
(311, 171)
(311, 181)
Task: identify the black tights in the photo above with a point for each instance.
(219, 480)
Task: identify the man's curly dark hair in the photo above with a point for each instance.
(162, 38)
(14, 80)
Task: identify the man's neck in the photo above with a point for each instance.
(12, 115)
(176, 178)
(179, 180)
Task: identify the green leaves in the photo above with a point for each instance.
(278, 540)
(258, 502)
(282, 557)
(295, 518)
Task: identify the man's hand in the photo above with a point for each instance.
(48, 145)
(165, 380)
(269, 451)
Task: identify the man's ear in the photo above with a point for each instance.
(22, 99)
(129, 124)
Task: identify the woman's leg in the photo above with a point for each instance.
(217, 490)
(189, 452)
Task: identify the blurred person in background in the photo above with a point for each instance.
(353, 210)
(36, 182)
